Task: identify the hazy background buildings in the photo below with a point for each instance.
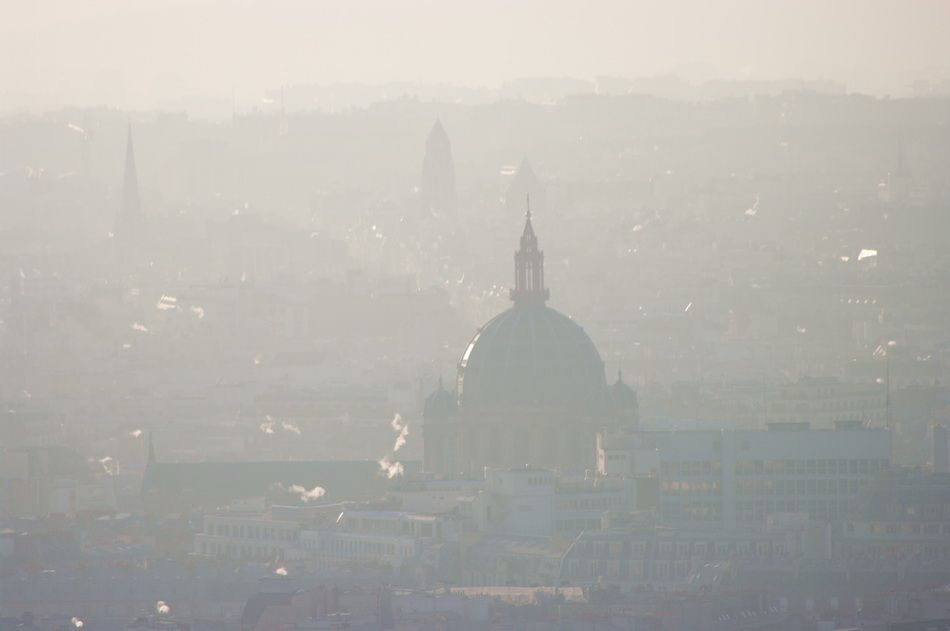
(244, 246)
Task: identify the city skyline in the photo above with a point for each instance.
(415, 316)
(256, 47)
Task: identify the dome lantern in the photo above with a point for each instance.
(529, 267)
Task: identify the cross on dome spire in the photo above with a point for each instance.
(529, 267)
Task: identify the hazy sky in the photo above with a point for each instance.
(140, 53)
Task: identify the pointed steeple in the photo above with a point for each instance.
(130, 214)
(529, 267)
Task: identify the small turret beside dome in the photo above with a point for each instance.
(440, 405)
(626, 404)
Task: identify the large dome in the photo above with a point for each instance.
(531, 356)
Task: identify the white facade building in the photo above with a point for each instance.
(538, 502)
(235, 535)
(730, 479)
(375, 537)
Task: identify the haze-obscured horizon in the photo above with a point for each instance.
(209, 55)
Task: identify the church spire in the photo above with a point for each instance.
(130, 214)
(529, 267)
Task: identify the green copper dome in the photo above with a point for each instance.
(531, 356)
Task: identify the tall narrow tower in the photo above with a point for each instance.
(437, 186)
(529, 286)
(129, 219)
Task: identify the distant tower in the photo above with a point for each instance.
(525, 183)
(129, 220)
(437, 187)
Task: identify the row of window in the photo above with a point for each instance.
(907, 528)
(665, 567)
(866, 405)
(810, 394)
(800, 487)
(242, 551)
(695, 550)
(389, 526)
(932, 511)
(896, 550)
(841, 466)
(697, 487)
(591, 503)
(363, 549)
(692, 511)
(825, 416)
(577, 525)
(689, 467)
(818, 509)
(540, 481)
(243, 531)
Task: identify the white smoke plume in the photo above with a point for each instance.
(402, 428)
(136, 433)
(76, 622)
(281, 571)
(401, 439)
(167, 303)
(162, 607)
(269, 425)
(390, 467)
(105, 463)
(198, 311)
(754, 209)
(397, 423)
(302, 492)
(290, 427)
(138, 326)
